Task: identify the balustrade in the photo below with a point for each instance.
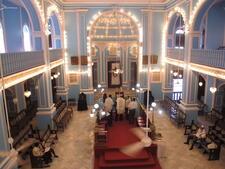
(174, 53)
(212, 58)
(20, 61)
(55, 54)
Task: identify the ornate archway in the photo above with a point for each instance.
(114, 45)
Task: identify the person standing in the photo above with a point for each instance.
(128, 100)
(108, 105)
(132, 110)
(120, 107)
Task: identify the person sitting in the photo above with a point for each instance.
(132, 110)
(128, 100)
(45, 152)
(108, 105)
(120, 107)
(200, 135)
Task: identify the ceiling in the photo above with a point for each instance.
(114, 1)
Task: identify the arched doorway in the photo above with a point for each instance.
(219, 102)
(114, 45)
(201, 89)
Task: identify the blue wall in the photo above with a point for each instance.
(215, 26)
(14, 19)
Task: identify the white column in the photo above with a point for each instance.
(21, 102)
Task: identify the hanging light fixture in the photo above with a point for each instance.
(213, 89)
(27, 93)
(200, 84)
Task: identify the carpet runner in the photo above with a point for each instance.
(111, 158)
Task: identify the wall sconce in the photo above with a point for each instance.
(212, 89)
(200, 84)
(27, 93)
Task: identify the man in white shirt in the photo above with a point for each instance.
(120, 107)
(108, 105)
(200, 135)
(132, 110)
(128, 100)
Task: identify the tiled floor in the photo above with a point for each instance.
(75, 147)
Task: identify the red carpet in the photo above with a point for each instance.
(111, 158)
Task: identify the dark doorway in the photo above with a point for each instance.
(95, 74)
(114, 80)
(133, 74)
(201, 88)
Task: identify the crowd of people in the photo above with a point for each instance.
(120, 108)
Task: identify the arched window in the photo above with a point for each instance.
(2, 43)
(179, 33)
(50, 44)
(26, 38)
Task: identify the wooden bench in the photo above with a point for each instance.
(218, 130)
(49, 137)
(189, 129)
(215, 115)
(62, 118)
(211, 146)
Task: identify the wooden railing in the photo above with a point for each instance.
(20, 61)
(213, 58)
(10, 161)
(55, 54)
(174, 53)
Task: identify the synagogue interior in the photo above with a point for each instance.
(112, 84)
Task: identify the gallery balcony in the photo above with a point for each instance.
(13, 63)
(174, 53)
(55, 54)
(211, 58)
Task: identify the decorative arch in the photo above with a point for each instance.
(118, 28)
(2, 41)
(53, 16)
(169, 18)
(201, 7)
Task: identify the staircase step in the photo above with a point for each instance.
(103, 164)
(112, 155)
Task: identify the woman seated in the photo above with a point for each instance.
(45, 152)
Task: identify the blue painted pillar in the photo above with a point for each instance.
(62, 87)
(4, 145)
(167, 86)
(46, 109)
(210, 97)
(190, 84)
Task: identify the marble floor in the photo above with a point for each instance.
(75, 147)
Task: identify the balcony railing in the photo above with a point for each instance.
(20, 61)
(55, 54)
(213, 58)
(10, 161)
(174, 53)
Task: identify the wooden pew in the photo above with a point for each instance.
(49, 137)
(218, 130)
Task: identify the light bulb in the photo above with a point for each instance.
(213, 89)
(180, 75)
(151, 108)
(200, 84)
(175, 74)
(133, 89)
(153, 104)
(96, 106)
(138, 85)
(92, 115)
(99, 85)
(171, 71)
